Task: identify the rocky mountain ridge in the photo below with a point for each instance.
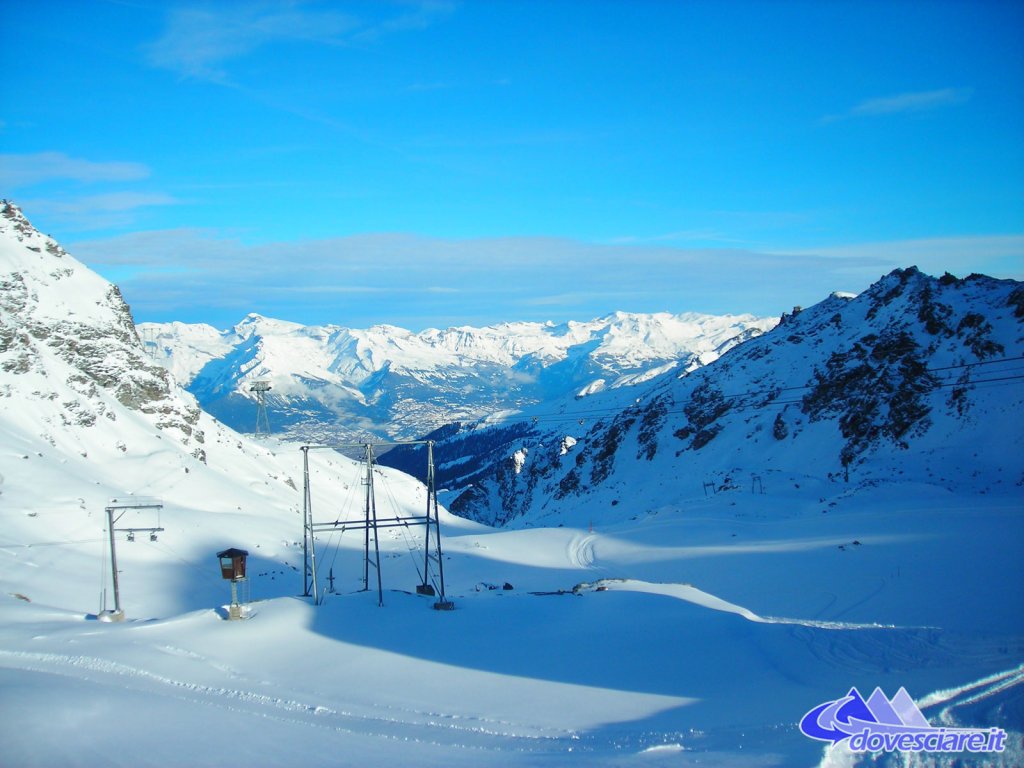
(330, 382)
(68, 343)
(918, 378)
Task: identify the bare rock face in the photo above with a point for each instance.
(68, 337)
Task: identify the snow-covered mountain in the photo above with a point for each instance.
(334, 382)
(70, 333)
(696, 632)
(87, 416)
(69, 340)
(917, 378)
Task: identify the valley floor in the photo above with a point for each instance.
(694, 636)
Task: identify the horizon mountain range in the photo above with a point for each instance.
(917, 375)
(331, 383)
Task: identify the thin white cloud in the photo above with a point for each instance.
(918, 101)
(978, 245)
(340, 289)
(100, 211)
(416, 14)
(120, 201)
(997, 255)
(685, 235)
(731, 228)
(197, 275)
(912, 102)
(392, 278)
(107, 203)
(574, 299)
(25, 170)
(198, 42)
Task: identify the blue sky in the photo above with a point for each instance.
(439, 163)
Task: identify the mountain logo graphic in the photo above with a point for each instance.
(879, 723)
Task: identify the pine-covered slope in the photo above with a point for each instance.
(918, 379)
(330, 382)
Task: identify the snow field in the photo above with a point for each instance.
(720, 624)
(649, 621)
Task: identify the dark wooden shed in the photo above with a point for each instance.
(232, 563)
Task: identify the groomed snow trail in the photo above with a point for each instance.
(691, 594)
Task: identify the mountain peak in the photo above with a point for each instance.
(12, 212)
(255, 324)
(14, 224)
(69, 341)
(402, 383)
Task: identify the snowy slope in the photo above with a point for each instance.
(86, 416)
(343, 382)
(692, 635)
(917, 378)
(68, 341)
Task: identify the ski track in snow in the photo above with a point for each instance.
(950, 699)
(581, 551)
(691, 594)
(989, 686)
(402, 724)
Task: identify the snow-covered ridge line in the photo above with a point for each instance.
(389, 380)
(68, 337)
(916, 376)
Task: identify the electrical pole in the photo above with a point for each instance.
(371, 522)
(427, 589)
(118, 613)
(443, 603)
(308, 547)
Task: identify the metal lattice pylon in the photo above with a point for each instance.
(260, 388)
(372, 524)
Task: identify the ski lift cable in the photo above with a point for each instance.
(341, 527)
(335, 548)
(597, 412)
(61, 543)
(390, 496)
(343, 510)
(997, 381)
(980, 362)
(161, 544)
(746, 406)
(334, 556)
(346, 505)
